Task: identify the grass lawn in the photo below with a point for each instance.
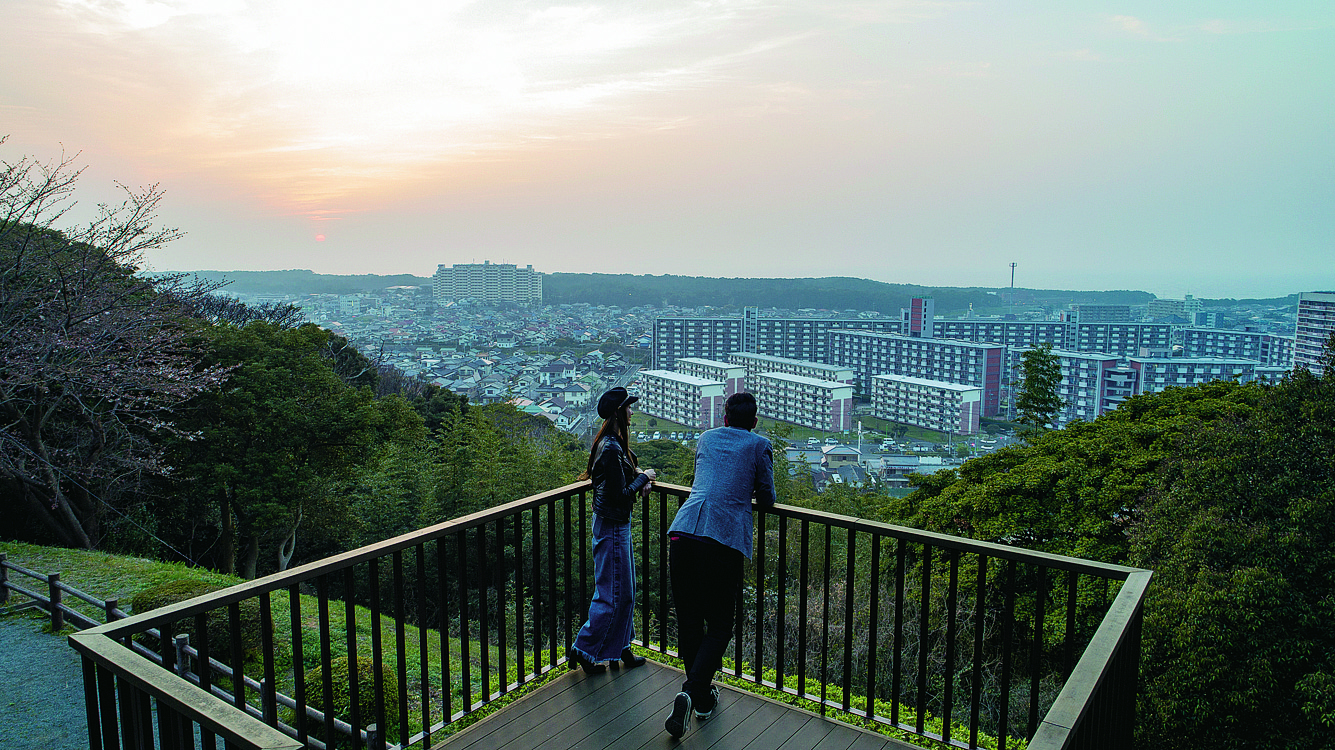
(105, 576)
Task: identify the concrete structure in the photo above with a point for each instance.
(758, 363)
(1086, 379)
(932, 404)
(1174, 308)
(487, 282)
(732, 376)
(1316, 322)
(685, 399)
(1100, 314)
(961, 362)
(717, 338)
(920, 318)
(1155, 375)
(1265, 348)
(807, 402)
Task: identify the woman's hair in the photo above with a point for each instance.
(618, 426)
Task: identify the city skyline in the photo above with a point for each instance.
(1176, 150)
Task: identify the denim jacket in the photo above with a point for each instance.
(615, 482)
(731, 466)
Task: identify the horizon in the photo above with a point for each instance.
(773, 278)
(1178, 149)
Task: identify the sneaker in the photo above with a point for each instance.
(704, 713)
(680, 720)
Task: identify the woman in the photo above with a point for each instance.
(617, 479)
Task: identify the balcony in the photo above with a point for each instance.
(938, 638)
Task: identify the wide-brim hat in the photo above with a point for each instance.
(612, 401)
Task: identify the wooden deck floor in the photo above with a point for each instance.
(625, 709)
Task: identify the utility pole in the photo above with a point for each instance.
(1012, 278)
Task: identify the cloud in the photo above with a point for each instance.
(1137, 27)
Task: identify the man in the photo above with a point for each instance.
(710, 542)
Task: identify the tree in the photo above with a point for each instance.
(271, 447)
(93, 355)
(1240, 531)
(1037, 400)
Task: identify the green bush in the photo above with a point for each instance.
(218, 622)
(342, 705)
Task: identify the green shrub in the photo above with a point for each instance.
(218, 622)
(342, 705)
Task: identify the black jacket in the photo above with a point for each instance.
(615, 482)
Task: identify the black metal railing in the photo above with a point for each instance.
(941, 637)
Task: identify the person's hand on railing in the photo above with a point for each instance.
(648, 486)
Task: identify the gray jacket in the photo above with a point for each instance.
(731, 466)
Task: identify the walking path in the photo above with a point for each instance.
(41, 688)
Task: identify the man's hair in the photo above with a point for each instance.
(740, 409)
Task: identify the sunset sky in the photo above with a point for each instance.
(1179, 148)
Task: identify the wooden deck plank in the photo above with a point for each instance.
(809, 735)
(625, 709)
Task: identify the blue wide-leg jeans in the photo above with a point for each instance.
(610, 626)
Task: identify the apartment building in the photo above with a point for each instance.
(1154, 374)
(1265, 348)
(758, 363)
(931, 404)
(1316, 322)
(1174, 308)
(717, 338)
(1093, 313)
(807, 402)
(871, 353)
(685, 399)
(487, 282)
(732, 376)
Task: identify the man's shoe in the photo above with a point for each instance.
(705, 711)
(584, 664)
(680, 720)
(629, 658)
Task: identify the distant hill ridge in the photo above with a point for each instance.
(626, 290)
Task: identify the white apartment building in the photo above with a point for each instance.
(1264, 348)
(685, 399)
(931, 404)
(758, 363)
(717, 338)
(963, 362)
(807, 402)
(1316, 321)
(1155, 375)
(732, 376)
(487, 282)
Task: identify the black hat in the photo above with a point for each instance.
(613, 400)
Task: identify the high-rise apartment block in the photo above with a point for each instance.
(717, 338)
(870, 353)
(1174, 308)
(758, 363)
(1316, 322)
(732, 376)
(931, 404)
(1154, 375)
(1265, 348)
(685, 399)
(807, 402)
(1088, 313)
(487, 282)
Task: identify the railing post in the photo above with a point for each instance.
(57, 614)
(4, 580)
(268, 703)
(111, 605)
(182, 658)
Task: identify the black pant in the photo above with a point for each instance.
(706, 583)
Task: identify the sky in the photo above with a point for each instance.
(1177, 148)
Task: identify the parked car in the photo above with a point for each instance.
(831, 441)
